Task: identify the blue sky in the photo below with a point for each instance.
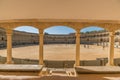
(92, 28)
(57, 29)
(27, 29)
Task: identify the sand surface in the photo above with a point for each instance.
(61, 52)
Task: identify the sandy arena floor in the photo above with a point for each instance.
(61, 52)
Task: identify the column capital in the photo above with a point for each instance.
(111, 33)
(77, 31)
(41, 31)
(9, 31)
(77, 34)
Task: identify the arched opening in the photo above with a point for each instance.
(3, 46)
(25, 41)
(117, 47)
(94, 46)
(59, 46)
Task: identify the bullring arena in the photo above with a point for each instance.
(96, 47)
(75, 56)
(83, 53)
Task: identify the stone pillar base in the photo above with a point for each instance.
(108, 64)
(44, 72)
(76, 65)
(42, 64)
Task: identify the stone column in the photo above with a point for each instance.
(9, 46)
(111, 49)
(41, 42)
(77, 62)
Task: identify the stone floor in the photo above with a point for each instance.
(80, 77)
(37, 78)
(93, 76)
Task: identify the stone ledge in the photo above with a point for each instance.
(97, 69)
(12, 67)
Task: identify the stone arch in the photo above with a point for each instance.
(6, 26)
(34, 25)
(117, 27)
(65, 41)
(25, 39)
(95, 42)
(2, 28)
(3, 33)
(117, 33)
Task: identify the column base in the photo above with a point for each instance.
(76, 65)
(41, 64)
(108, 64)
(9, 62)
